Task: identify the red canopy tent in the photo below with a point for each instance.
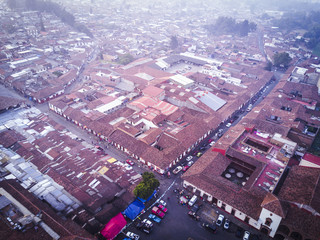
(113, 227)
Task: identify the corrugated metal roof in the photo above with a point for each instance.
(4, 202)
(211, 100)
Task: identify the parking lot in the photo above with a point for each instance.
(177, 224)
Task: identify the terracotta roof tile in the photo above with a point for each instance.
(302, 186)
(273, 204)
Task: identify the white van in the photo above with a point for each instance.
(249, 108)
(193, 200)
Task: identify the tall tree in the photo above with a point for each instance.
(281, 59)
(244, 28)
(145, 188)
(174, 42)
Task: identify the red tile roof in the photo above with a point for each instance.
(302, 186)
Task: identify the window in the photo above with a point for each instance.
(268, 222)
(286, 108)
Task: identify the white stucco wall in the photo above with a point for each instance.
(276, 219)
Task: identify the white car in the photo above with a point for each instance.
(163, 203)
(246, 235)
(189, 158)
(190, 163)
(177, 170)
(127, 166)
(147, 223)
(220, 220)
(133, 236)
(226, 224)
(228, 124)
(212, 143)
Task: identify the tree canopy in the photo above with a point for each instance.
(125, 59)
(174, 42)
(309, 21)
(145, 188)
(281, 59)
(228, 25)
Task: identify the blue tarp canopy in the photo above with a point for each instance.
(143, 200)
(134, 209)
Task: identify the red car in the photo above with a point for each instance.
(163, 208)
(185, 168)
(130, 162)
(158, 212)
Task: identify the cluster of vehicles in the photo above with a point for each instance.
(146, 225)
(221, 221)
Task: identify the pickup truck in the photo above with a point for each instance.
(157, 212)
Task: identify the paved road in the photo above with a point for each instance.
(177, 224)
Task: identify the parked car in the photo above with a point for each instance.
(143, 227)
(246, 235)
(163, 208)
(210, 140)
(185, 168)
(189, 158)
(193, 200)
(228, 124)
(162, 202)
(195, 208)
(239, 232)
(147, 223)
(177, 170)
(130, 162)
(202, 148)
(154, 218)
(209, 227)
(195, 153)
(199, 154)
(194, 215)
(133, 236)
(220, 220)
(226, 224)
(190, 163)
(212, 143)
(127, 166)
(157, 212)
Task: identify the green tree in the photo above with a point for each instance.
(244, 28)
(268, 66)
(125, 59)
(228, 25)
(281, 59)
(174, 42)
(145, 188)
(147, 175)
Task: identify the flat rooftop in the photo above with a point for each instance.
(258, 146)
